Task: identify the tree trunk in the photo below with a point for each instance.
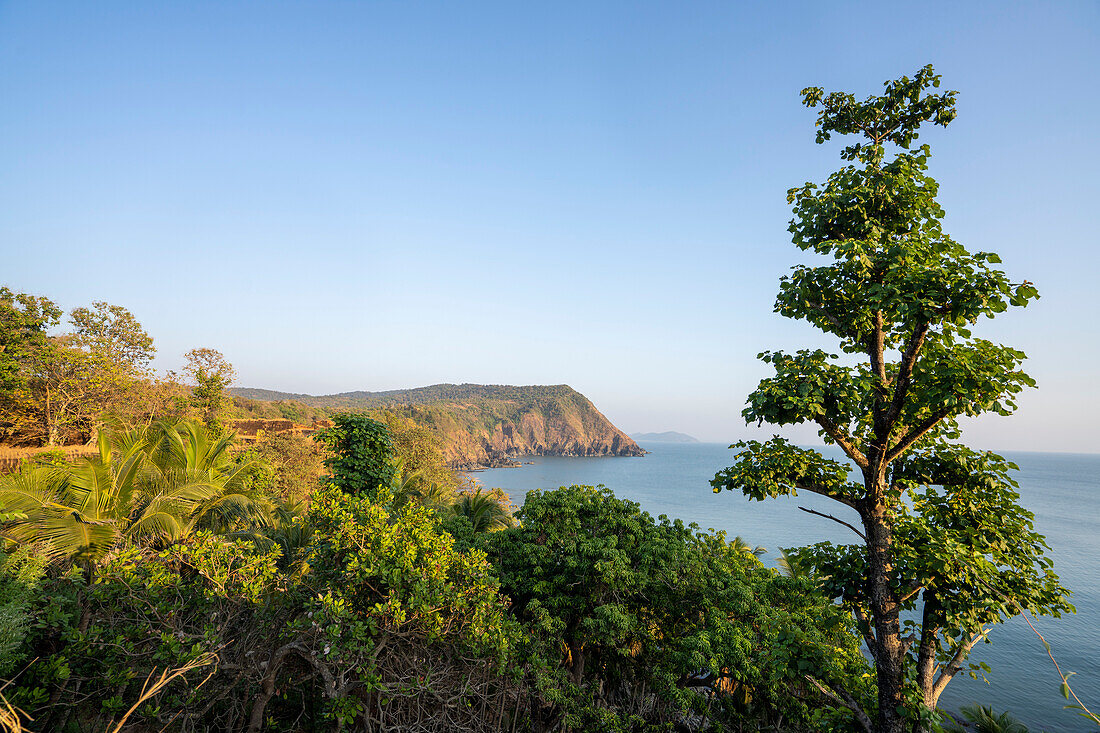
(576, 657)
(889, 653)
(51, 425)
(926, 657)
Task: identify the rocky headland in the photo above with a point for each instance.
(487, 426)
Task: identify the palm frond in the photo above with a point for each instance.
(157, 523)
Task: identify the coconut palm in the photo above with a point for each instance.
(187, 458)
(288, 530)
(789, 565)
(983, 720)
(159, 482)
(754, 552)
(483, 510)
(83, 509)
(405, 485)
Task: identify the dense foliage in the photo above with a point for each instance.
(361, 459)
(646, 623)
(59, 389)
(170, 584)
(420, 396)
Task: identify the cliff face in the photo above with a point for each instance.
(481, 435)
(490, 425)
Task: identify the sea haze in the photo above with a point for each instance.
(1061, 489)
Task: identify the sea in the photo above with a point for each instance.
(1062, 490)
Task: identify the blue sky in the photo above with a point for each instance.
(345, 196)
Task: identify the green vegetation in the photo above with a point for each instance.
(418, 396)
(982, 719)
(649, 623)
(386, 601)
(212, 375)
(361, 461)
(946, 552)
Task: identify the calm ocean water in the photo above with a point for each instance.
(1063, 491)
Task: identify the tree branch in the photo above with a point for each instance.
(825, 492)
(914, 588)
(828, 316)
(1057, 667)
(955, 664)
(833, 431)
(929, 647)
(847, 701)
(838, 521)
(905, 372)
(913, 435)
(867, 630)
(875, 347)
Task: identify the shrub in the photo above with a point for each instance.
(362, 454)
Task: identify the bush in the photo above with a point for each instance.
(20, 574)
(362, 454)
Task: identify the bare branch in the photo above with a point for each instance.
(1057, 667)
(826, 492)
(833, 431)
(838, 521)
(914, 588)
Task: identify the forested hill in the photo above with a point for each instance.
(483, 425)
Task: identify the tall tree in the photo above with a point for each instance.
(112, 332)
(212, 374)
(63, 389)
(24, 320)
(118, 352)
(56, 387)
(941, 532)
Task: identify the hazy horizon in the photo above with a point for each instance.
(345, 197)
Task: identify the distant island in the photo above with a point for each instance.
(669, 436)
(479, 425)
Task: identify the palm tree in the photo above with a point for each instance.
(983, 720)
(288, 530)
(159, 482)
(789, 564)
(484, 511)
(187, 458)
(754, 552)
(83, 509)
(405, 485)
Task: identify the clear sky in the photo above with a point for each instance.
(352, 195)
